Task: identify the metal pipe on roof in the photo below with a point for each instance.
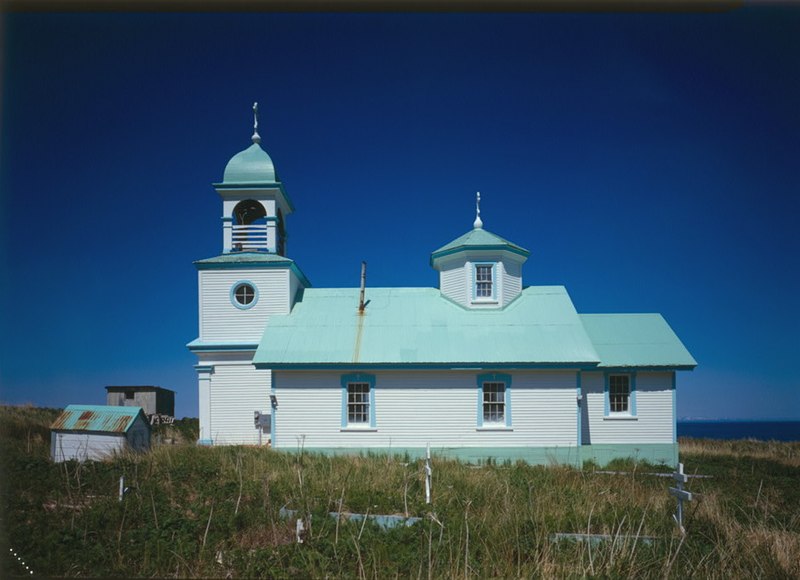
(361, 303)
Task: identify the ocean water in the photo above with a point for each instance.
(763, 430)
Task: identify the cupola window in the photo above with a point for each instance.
(484, 282)
(483, 278)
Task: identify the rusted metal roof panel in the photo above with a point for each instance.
(102, 418)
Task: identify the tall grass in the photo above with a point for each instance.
(214, 512)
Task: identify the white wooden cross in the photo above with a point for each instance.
(428, 474)
(680, 494)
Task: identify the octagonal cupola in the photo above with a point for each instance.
(480, 269)
(254, 201)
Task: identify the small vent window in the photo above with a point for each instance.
(244, 295)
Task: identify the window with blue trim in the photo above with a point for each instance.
(494, 403)
(494, 400)
(358, 401)
(244, 294)
(620, 394)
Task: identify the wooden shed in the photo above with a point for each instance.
(153, 400)
(96, 432)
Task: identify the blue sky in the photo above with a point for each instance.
(649, 162)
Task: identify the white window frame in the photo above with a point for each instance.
(235, 299)
(352, 399)
(493, 282)
(619, 404)
(358, 404)
(488, 404)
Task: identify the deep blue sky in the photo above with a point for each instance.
(649, 162)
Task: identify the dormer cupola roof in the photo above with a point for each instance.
(478, 239)
(480, 270)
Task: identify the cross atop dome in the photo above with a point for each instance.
(256, 137)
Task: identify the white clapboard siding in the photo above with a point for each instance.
(236, 391)
(653, 422)
(220, 320)
(454, 282)
(83, 446)
(415, 408)
(511, 281)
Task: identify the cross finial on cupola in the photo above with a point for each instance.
(478, 223)
(256, 137)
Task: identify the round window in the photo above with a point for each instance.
(244, 295)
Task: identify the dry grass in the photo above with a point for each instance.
(214, 512)
(786, 453)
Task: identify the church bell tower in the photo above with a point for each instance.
(254, 202)
(238, 291)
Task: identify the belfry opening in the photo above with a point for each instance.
(249, 227)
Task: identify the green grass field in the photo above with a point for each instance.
(214, 512)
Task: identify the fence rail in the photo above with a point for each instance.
(250, 237)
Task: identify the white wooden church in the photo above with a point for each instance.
(482, 366)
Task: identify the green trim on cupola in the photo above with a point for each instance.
(251, 260)
(478, 239)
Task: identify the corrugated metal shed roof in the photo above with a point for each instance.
(636, 340)
(107, 419)
(417, 326)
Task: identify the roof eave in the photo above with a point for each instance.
(207, 264)
(487, 247)
(198, 345)
(445, 366)
(648, 367)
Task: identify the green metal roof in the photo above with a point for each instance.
(636, 340)
(102, 418)
(478, 239)
(252, 166)
(418, 326)
(251, 260)
(246, 258)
